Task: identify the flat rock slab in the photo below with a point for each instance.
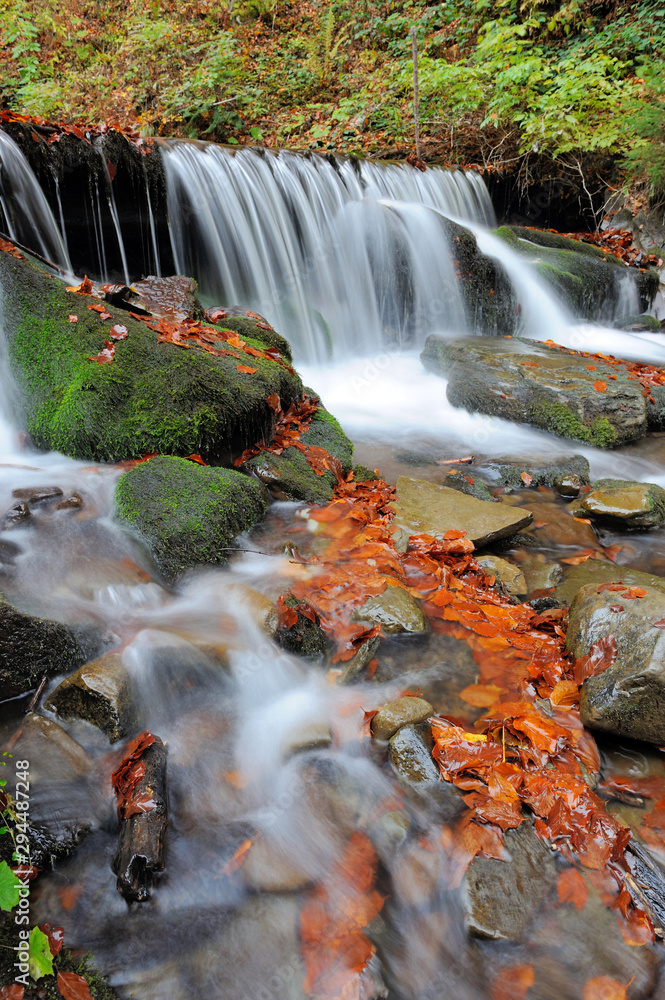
(531, 383)
(502, 897)
(398, 713)
(597, 571)
(625, 505)
(626, 699)
(395, 610)
(425, 508)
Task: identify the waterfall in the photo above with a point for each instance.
(335, 251)
(25, 215)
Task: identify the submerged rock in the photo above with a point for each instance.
(395, 610)
(289, 476)
(568, 485)
(99, 692)
(627, 697)
(542, 471)
(423, 507)
(187, 514)
(509, 575)
(31, 647)
(530, 383)
(501, 898)
(597, 571)
(153, 397)
(401, 712)
(625, 505)
(539, 572)
(477, 488)
(305, 637)
(410, 753)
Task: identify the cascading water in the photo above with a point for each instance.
(25, 214)
(343, 254)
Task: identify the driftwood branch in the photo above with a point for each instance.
(140, 854)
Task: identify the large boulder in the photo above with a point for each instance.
(624, 505)
(187, 514)
(626, 697)
(153, 396)
(586, 277)
(597, 572)
(532, 383)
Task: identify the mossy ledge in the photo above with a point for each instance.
(559, 419)
(187, 514)
(153, 397)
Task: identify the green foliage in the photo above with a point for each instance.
(9, 889)
(323, 50)
(646, 157)
(40, 960)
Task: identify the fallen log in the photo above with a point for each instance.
(140, 784)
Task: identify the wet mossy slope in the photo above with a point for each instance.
(153, 397)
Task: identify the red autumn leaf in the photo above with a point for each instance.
(600, 386)
(617, 607)
(194, 457)
(618, 586)
(105, 315)
(513, 983)
(72, 318)
(104, 357)
(55, 935)
(130, 772)
(15, 991)
(600, 656)
(591, 368)
(481, 695)
(73, 986)
(367, 720)
(246, 370)
(469, 480)
(579, 558)
(84, 288)
(571, 888)
(264, 326)
(526, 478)
(119, 332)
(97, 307)
(274, 402)
(660, 623)
(634, 592)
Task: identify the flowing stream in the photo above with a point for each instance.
(351, 263)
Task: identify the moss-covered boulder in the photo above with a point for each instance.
(153, 397)
(586, 277)
(31, 647)
(289, 476)
(187, 514)
(487, 292)
(531, 383)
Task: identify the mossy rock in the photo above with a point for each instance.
(289, 476)
(582, 274)
(31, 647)
(153, 397)
(187, 514)
(488, 294)
(304, 637)
(543, 472)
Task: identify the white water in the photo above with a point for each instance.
(24, 209)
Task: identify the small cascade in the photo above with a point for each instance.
(25, 215)
(335, 251)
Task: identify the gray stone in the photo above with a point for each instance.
(501, 898)
(544, 471)
(626, 699)
(423, 507)
(476, 489)
(99, 692)
(625, 505)
(395, 610)
(597, 571)
(530, 383)
(506, 573)
(541, 574)
(410, 753)
(359, 660)
(401, 712)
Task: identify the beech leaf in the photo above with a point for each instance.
(9, 888)
(73, 986)
(40, 959)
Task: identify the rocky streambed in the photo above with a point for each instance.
(295, 729)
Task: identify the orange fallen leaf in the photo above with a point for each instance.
(526, 478)
(634, 592)
(238, 858)
(604, 988)
(73, 987)
(571, 888)
(72, 318)
(600, 386)
(246, 370)
(481, 695)
(513, 983)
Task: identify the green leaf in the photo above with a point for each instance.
(232, 140)
(40, 959)
(256, 133)
(9, 887)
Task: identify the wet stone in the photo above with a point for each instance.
(99, 692)
(410, 753)
(501, 898)
(16, 515)
(73, 502)
(425, 508)
(539, 572)
(625, 505)
(359, 660)
(568, 485)
(509, 575)
(597, 571)
(37, 494)
(626, 698)
(394, 610)
(398, 713)
(544, 471)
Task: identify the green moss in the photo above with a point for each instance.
(364, 475)
(152, 397)
(558, 419)
(187, 514)
(305, 637)
(247, 328)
